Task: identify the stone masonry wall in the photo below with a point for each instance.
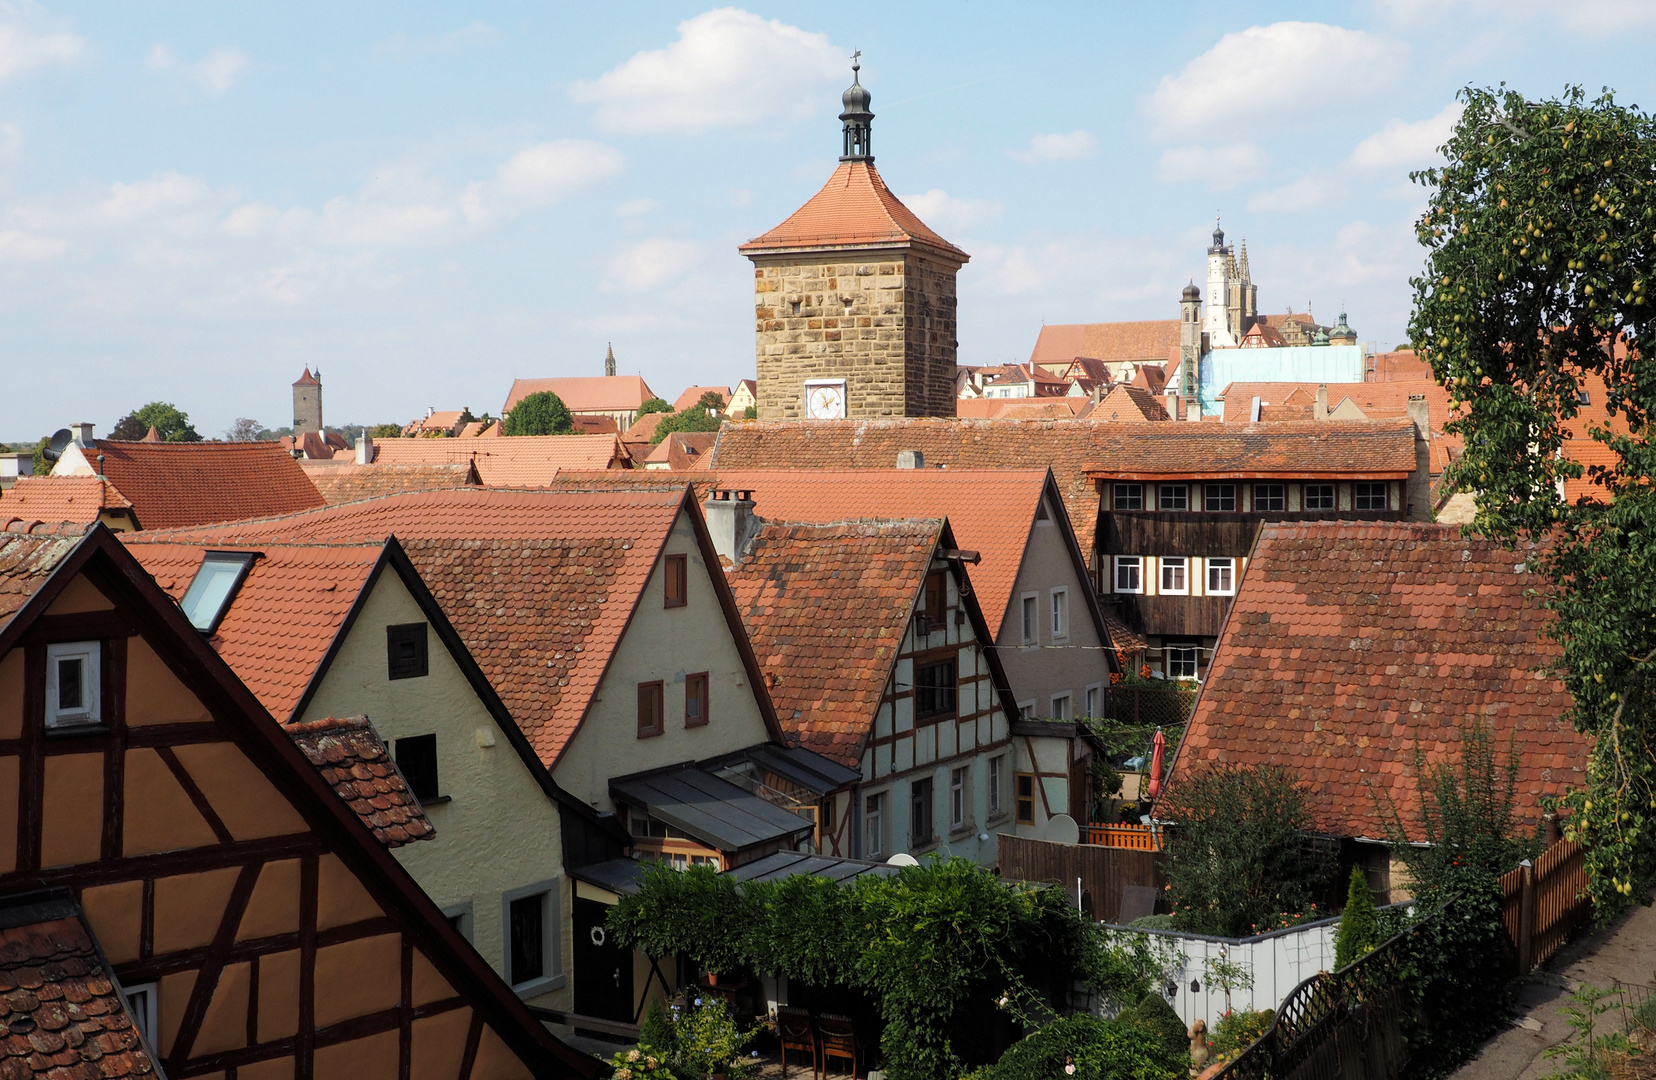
(884, 321)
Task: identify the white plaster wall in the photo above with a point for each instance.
(664, 643)
(500, 831)
(1035, 754)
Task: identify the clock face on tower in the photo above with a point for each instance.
(825, 399)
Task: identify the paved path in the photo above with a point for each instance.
(1625, 950)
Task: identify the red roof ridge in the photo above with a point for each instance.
(854, 208)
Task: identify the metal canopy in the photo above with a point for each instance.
(808, 769)
(624, 876)
(710, 809)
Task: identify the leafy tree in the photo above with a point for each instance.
(750, 413)
(243, 430)
(1098, 1050)
(1359, 930)
(653, 405)
(698, 417)
(1541, 241)
(385, 431)
(172, 423)
(540, 414)
(1239, 856)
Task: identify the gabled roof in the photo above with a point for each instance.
(693, 394)
(347, 481)
(79, 499)
(586, 393)
(1111, 342)
(176, 484)
(1349, 642)
(445, 420)
(682, 451)
(1371, 448)
(515, 461)
(826, 607)
(354, 761)
(26, 561)
(644, 428)
(854, 209)
(1129, 404)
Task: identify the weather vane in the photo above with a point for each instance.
(856, 59)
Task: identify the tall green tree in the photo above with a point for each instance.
(1541, 260)
(698, 417)
(540, 414)
(653, 405)
(170, 422)
(1359, 930)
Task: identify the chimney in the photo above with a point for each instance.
(911, 459)
(83, 434)
(1170, 399)
(365, 449)
(1193, 410)
(1419, 487)
(1253, 413)
(1322, 402)
(1418, 413)
(731, 523)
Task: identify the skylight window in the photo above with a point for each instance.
(215, 585)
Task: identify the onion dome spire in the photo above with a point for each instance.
(857, 117)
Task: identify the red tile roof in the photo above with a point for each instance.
(1403, 364)
(515, 461)
(348, 482)
(594, 393)
(1046, 408)
(596, 425)
(1348, 642)
(354, 761)
(1375, 448)
(307, 379)
(444, 420)
(26, 561)
(48, 498)
(990, 511)
(682, 451)
(1112, 342)
(62, 1013)
(1129, 404)
(179, 484)
(693, 394)
(826, 607)
(853, 209)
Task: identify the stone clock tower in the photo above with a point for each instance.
(854, 298)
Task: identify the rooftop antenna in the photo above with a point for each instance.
(61, 438)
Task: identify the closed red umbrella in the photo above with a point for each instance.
(1158, 747)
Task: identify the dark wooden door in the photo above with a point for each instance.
(603, 970)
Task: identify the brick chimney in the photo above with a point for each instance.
(731, 523)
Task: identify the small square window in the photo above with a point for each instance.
(1174, 574)
(934, 689)
(1583, 398)
(650, 722)
(417, 758)
(1181, 660)
(920, 813)
(1031, 620)
(695, 700)
(1221, 576)
(1371, 496)
(1319, 496)
(677, 581)
(1173, 497)
(1270, 498)
(1129, 573)
(1024, 801)
(73, 686)
(1219, 497)
(405, 651)
(1129, 497)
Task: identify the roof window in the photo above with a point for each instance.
(214, 587)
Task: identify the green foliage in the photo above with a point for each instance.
(1156, 1018)
(653, 405)
(1587, 1054)
(1106, 785)
(1239, 857)
(657, 1032)
(644, 1062)
(245, 429)
(169, 421)
(698, 417)
(750, 413)
(1465, 811)
(697, 912)
(1098, 1049)
(1359, 931)
(385, 431)
(1541, 265)
(1460, 970)
(41, 465)
(710, 1041)
(1236, 1031)
(540, 414)
(1225, 973)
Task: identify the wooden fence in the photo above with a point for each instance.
(1104, 872)
(1150, 705)
(1126, 837)
(1543, 902)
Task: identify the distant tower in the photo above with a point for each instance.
(1221, 334)
(609, 362)
(854, 297)
(307, 402)
(1342, 334)
(1190, 344)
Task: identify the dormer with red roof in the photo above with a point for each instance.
(854, 298)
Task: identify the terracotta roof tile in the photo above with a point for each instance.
(1048, 408)
(64, 1016)
(1129, 404)
(1349, 642)
(1403, 364)
(853, 209)
(1112, 341)
(826, 607)
(1357, 447)
(180, 484)
(349, 482)
(693, 394)
(595, 425)
(443, 420)
(595, 393)
(60, 498)
(682, 451)
(516, 461)
(354, 761)
(26, 562)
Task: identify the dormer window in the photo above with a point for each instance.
(214, 587)
(73, 685)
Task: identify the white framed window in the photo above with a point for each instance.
(1060, 613)
(1221, 577)
(1129, 573)
(957, 798)
(1062, 707)
(1031, 618)
(874, 826)
(1181, 659)
(1129, 497)
(1371, 497)
(1094, 698)
(73, 685)
(1319, 496)
(530, 916)
(142, 1001)
(1175, 574)
(1172, 497)
(214, 587)
(997, 784)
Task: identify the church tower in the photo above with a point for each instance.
(854, 297)
(1217, 326)
(307, 402)
(1191, 346)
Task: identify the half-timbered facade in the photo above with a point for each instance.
(255, 924)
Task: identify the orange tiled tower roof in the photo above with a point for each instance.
(853, 208)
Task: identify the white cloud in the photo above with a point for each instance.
(946, 212)
(1256, 76)
(402, 45)
(1303, 194)
(18, 246)
(1591, 18)
(1219, 167)
(168, 191)
(213, 74)
(636, 208)
(1071, 147)
(651, 263)
(550, 171)
(1401, 145)
(22, 50)
(728, 67)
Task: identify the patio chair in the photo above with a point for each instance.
(793, 1028)
(837, 1038)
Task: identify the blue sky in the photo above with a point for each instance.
(425, 201)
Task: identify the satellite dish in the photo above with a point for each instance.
(61, 439)
(902, 858)
(1062, 829)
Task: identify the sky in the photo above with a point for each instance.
(199, 200)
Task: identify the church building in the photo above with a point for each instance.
(854, 298)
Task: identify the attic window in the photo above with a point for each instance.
(215, 586)
(1583, 398)
(73, 684)
(406, 655)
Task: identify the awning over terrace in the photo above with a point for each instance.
(709, 808)
(624, 876)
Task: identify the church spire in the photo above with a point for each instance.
(857, 117)
(609, 361)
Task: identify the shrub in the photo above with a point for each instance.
(1359, 931)
(1240, 856)
(710, 1041)
(540, 414)
(1462, 971)
(652, 405)
(1156, 1018)
(644, 1062)
(1099, 1050)
(1237, 1031)
(657, 1032)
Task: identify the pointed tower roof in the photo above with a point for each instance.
(853, 209)
(307, 379)
(152, 436)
